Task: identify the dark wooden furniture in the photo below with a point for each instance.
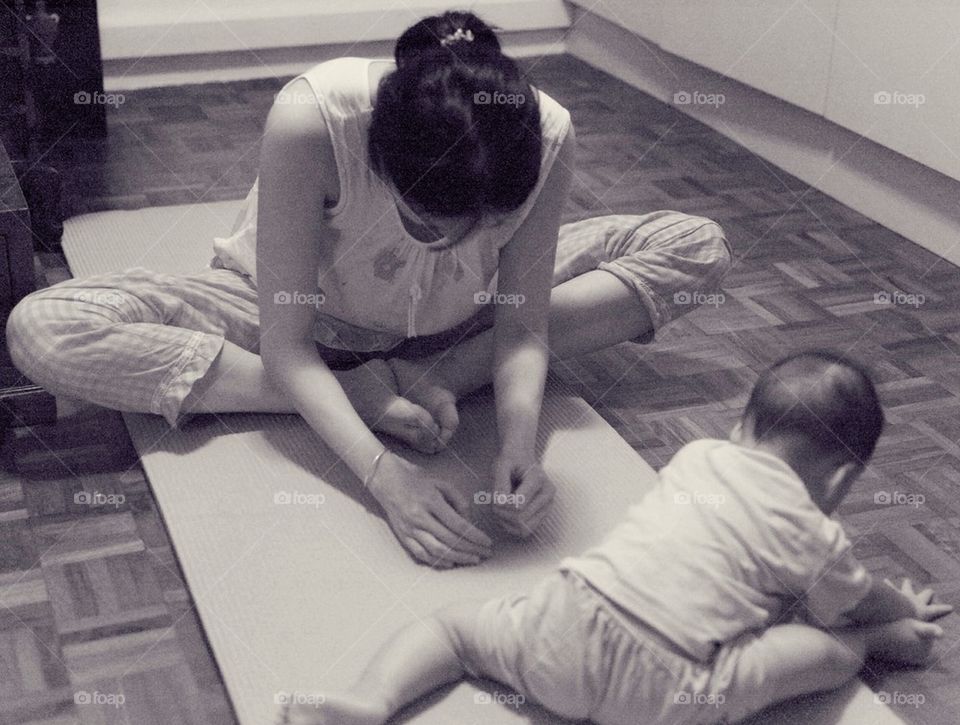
(21, 402)
(49, 66)
(16, 261)
(51, 88)
(17, 115)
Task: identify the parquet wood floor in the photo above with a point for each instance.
(91, 597)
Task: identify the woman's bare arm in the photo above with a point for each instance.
(290, 232)
(524, 283)
(521, 352)
(297, 175)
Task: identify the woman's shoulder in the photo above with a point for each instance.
(554, 119)
(340, 84)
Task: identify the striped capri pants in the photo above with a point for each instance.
(138, 340)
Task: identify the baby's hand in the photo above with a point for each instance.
(922, 601)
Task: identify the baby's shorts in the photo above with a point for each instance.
(567, 647)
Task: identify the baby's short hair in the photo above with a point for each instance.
(822, 398)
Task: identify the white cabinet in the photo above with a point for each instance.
(779, 46)
(643, 18)
(896, 77)
(830, 57)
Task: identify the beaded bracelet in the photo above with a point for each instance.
(373, 468)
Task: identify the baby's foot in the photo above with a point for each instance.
(372, 390)
(420, 383)
(334, 710)
(906, 641)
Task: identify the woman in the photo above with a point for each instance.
(394, 199)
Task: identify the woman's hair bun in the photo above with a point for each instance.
(456, 127)
(426, 38)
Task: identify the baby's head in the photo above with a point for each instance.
(819, 412)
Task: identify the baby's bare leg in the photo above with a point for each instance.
(791, 660)
(418, 659)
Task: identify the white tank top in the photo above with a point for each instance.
(377, 284)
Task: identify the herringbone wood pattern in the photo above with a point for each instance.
(92, 597)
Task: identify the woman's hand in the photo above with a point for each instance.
(428, 515)
(922, 601)
(522, 493)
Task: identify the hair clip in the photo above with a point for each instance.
(459, 34)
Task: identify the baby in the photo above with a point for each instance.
(727, 589)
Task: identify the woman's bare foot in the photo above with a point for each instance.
(335, 710)
(373, 391)
(906, 641)
(419, 383)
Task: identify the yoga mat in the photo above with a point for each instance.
(297, 578)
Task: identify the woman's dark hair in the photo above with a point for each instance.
(822, 397)
(455, 127)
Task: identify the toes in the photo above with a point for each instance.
(411, 424)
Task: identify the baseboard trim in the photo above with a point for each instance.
(125, 74)
(911, 199)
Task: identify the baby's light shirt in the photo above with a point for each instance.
(726, 542)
